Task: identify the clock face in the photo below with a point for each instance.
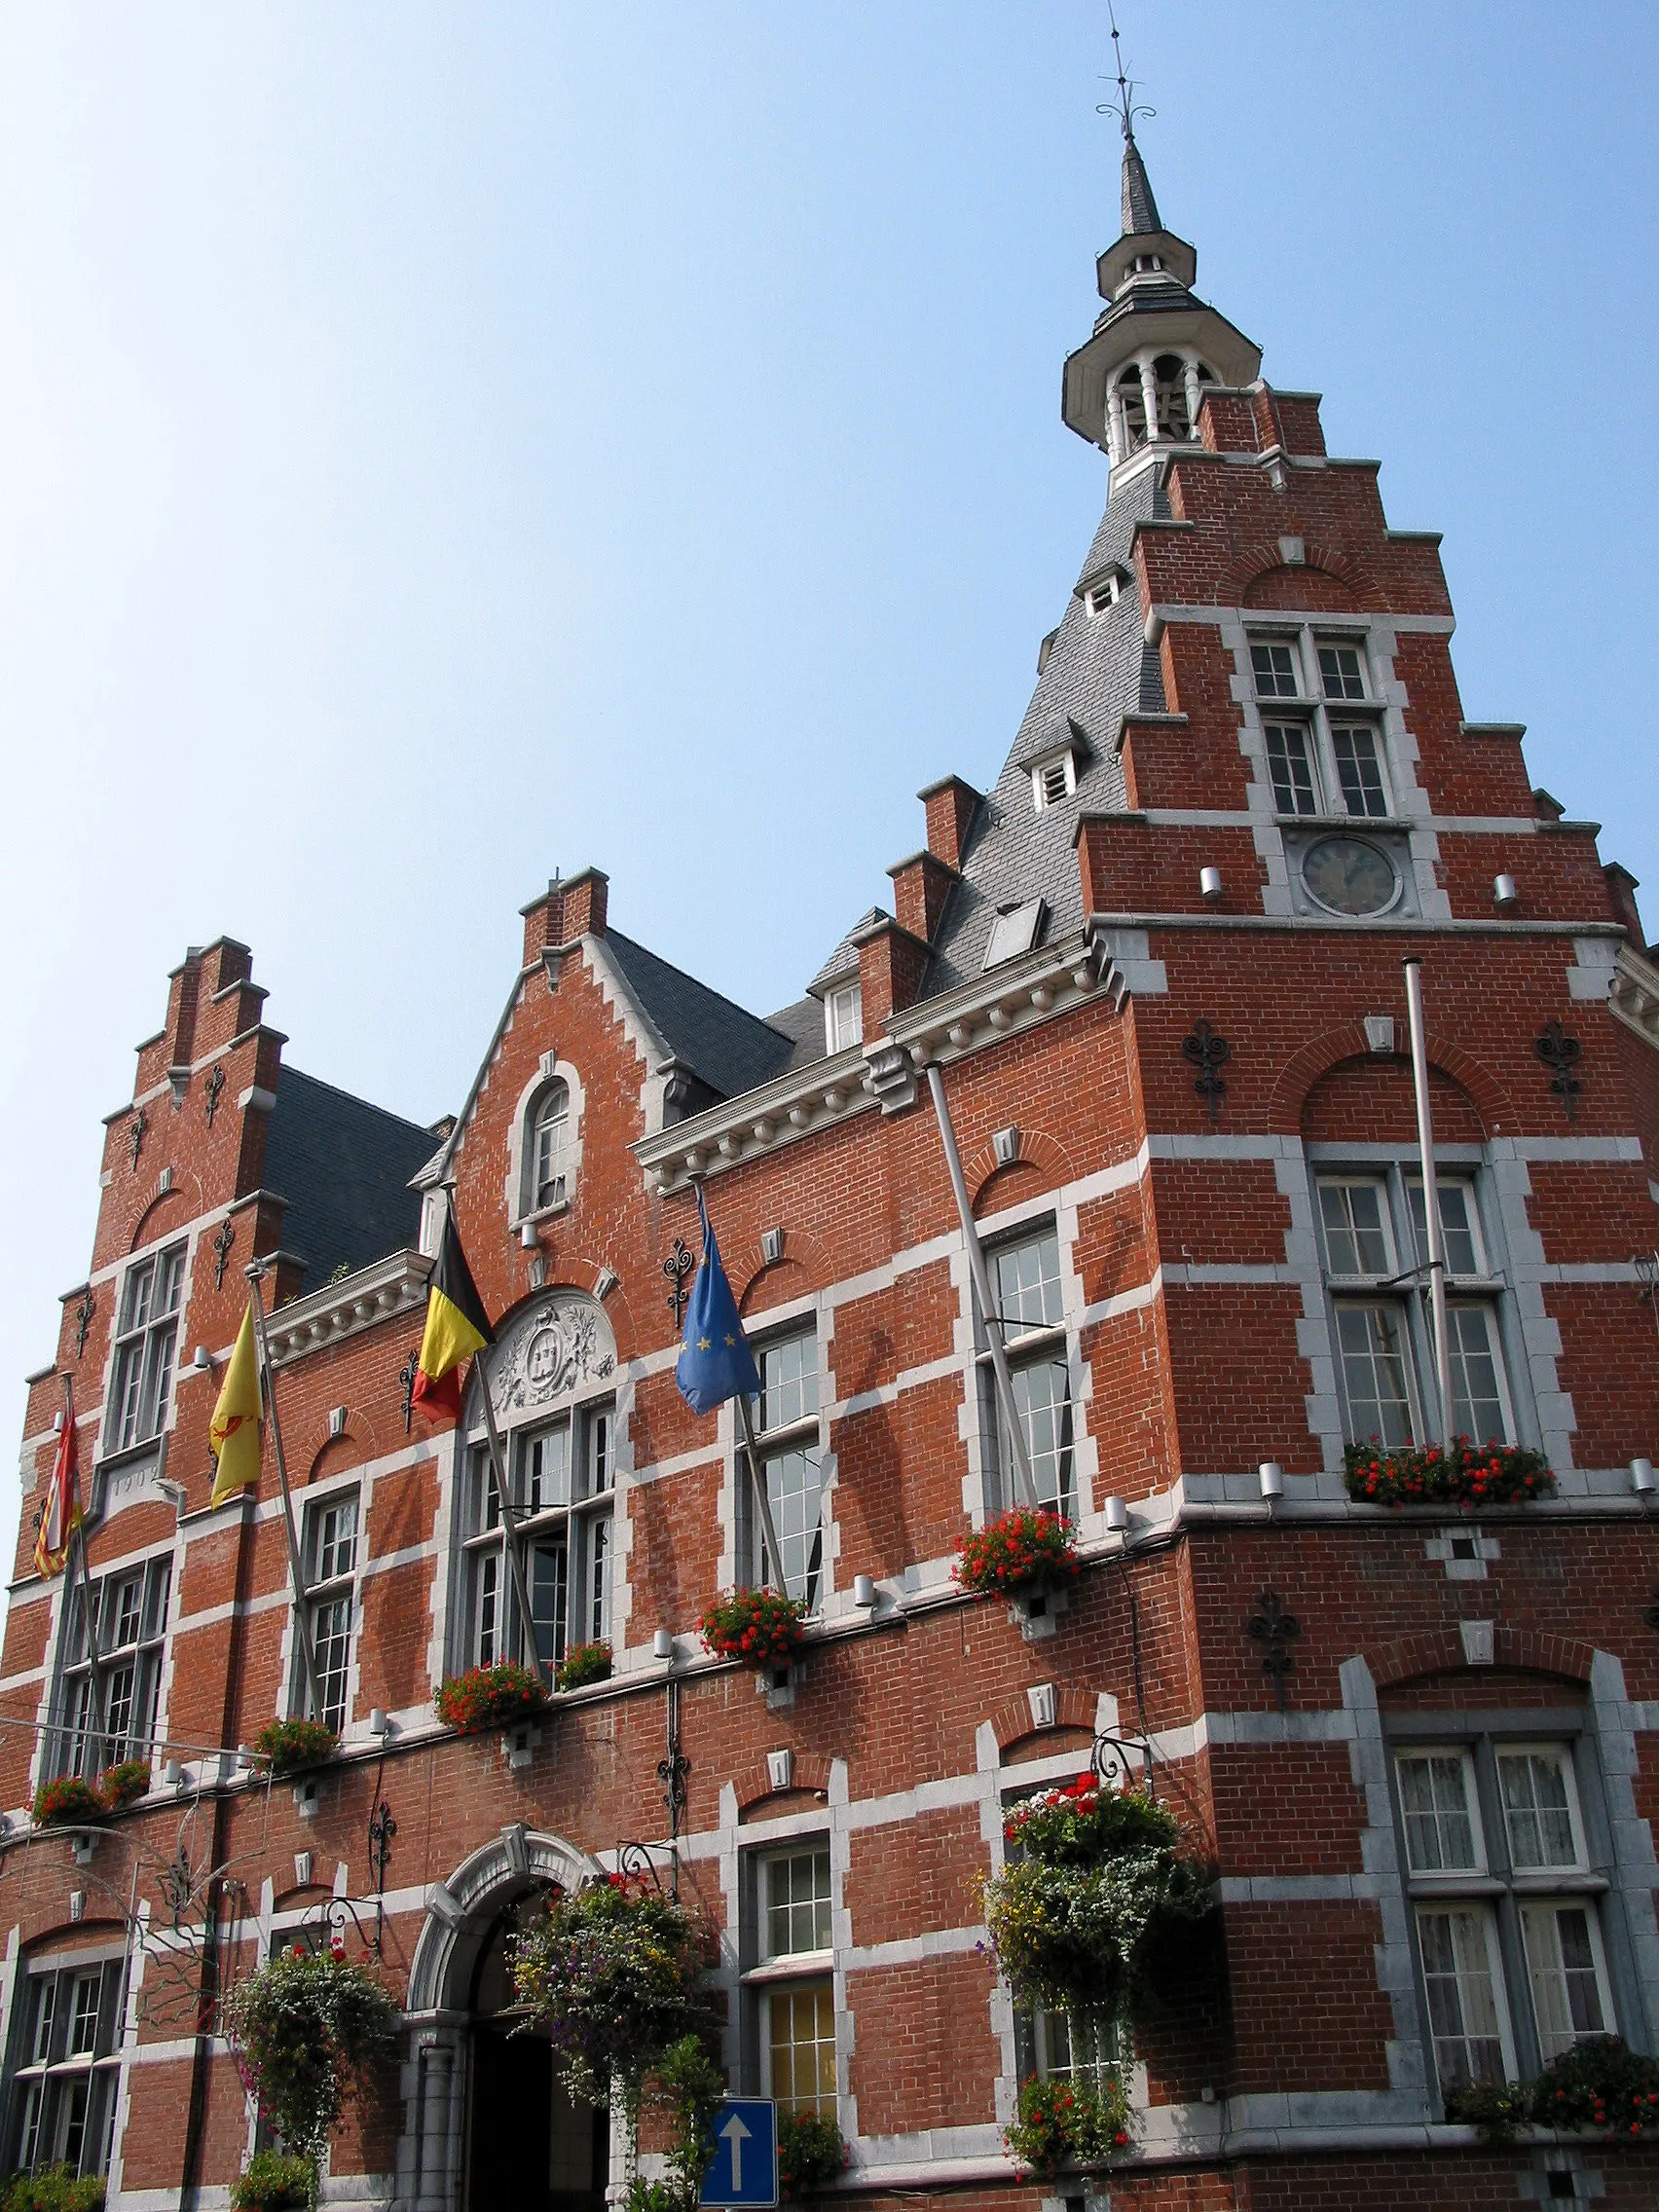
(1349, 876)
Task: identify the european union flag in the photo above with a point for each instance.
(715, 1361)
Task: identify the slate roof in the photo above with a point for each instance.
(1098, 669)
(725, 1046)
(344, 1167)
(1140, 208)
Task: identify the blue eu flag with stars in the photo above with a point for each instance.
(715, 1361)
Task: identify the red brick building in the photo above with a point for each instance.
(1158, 963)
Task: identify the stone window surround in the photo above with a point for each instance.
(521, 1131)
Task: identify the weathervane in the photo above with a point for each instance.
(1123, 107)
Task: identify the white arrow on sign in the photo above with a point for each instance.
(736, 2134)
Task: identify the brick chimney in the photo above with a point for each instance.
(951, 805)
(571, 907)
(921, 885)
(1621, 899)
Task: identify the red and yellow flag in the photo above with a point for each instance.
(456, 1326)
(62, 1514)
(233, 1434)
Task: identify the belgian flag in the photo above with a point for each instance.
(456, 1326)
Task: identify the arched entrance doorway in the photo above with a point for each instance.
(529, 2144)
(488, 2127)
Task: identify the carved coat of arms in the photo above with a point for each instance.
(548, 1351)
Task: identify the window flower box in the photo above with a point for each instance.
(1599, 2084)
(489, 1697)
(124, 1784)
(761, 1628)
(293, 1746)
(1069, 2123)
(1469, 1475)
(69, 1803)
(1024, 1551)
(811, 2154)
(582, 1664)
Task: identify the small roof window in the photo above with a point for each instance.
(1015, 930)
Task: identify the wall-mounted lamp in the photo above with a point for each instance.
(1272, 1477)
(1209, 883)
(662, 1643)
(1116, 1515)
(863, 1590)
(174, 1775)
(244, 1758)
(1642, 1478)
(527, 1238)
(1504, 894)
(201, 1359)
(379, 1726)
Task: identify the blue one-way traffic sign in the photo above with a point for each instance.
(744, 2169)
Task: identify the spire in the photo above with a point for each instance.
(1140, 208)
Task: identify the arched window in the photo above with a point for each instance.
(550, 1139)
(1176, 378)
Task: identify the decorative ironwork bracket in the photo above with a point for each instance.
(1210, 1054)
(222, 1243)
(330, 1915)
(634, 1858)
(213, 1084)
(1109, 1762)
(1275, 1630)
(406, 1374)
(1562, 1053)
(1650, 1613)
(135, 1132)
(382, 1828)
(85, 1308)
(677, 1266)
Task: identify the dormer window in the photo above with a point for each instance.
(550, 1129)
(1053, 779)
(843, 1017)
(1106, 591)
(1015, 930)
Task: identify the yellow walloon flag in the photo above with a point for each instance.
(234, 1435)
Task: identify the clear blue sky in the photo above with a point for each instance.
(443, 444)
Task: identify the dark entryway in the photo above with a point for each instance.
(531, 2148)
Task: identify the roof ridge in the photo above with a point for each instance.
(356, 1097)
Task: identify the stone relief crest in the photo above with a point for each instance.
(549, 1350)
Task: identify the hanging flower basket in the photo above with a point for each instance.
(582, 1664)
(124, 1784)
(485, 1698)
(759, 1626)
(811, 2154)
(306, 2030)
(1468, 1476)
(1105, 1883)
(69, 1803)
(1067, 2122)
(1026, 1549)
(293, 1746)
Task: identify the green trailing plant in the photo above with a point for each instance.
(1468, 1475)
(271, 2181)
(1104, 1883)
(811, 2154)
(125, 1784)
(306, 2029)
(293, 1746)
(55, 2188)
(69, 1802)
(760, 1627)
(1599, 2083)
(582, 1664)
(1025, 1549)
(611, 1970)
(489, 1697)
(1067, 2122)
(693, 2087)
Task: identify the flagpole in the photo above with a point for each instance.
(1023, 1482)
(509, 1522)
(255, 1273)
(762, 1503)
(94, 1661)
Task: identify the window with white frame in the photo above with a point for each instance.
(563, 1478)
(146, 1345)
(794, 1980)
(843, 1017)
(1380, 1309)
(1510, 1942)
(1026, 1283)
(331, 1556)
(65, 2024)
(106, 1713)
(546, 1177)
(1327, 758)
(1053, 779)
(789, 1446)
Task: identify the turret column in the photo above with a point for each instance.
(1148, 394)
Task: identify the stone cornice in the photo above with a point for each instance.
(882, 1072)
(1634, 998)
(377, 1293)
